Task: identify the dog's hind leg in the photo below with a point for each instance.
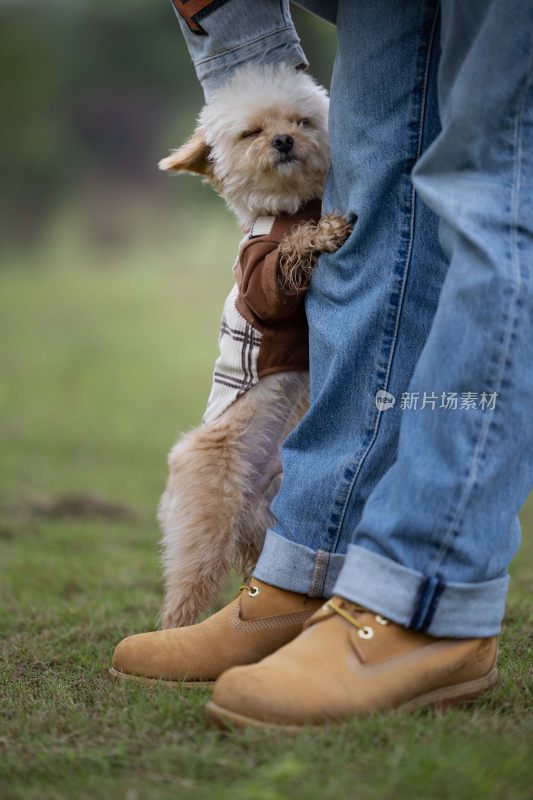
(198, 514)
(216, 508)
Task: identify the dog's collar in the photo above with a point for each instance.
(262, 227)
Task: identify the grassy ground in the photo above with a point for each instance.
(101, 364)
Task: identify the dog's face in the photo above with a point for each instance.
(261, 142)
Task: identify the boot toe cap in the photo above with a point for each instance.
(248, 691)
(140, 655)
(128, 655)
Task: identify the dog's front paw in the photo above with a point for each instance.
(333, 230)
(297, 259)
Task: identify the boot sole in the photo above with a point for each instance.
(446, 697)
(126, 676)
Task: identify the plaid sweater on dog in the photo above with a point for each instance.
(263, 329)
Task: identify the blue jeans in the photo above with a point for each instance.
(402, 484)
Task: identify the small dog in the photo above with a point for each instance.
(261, 142)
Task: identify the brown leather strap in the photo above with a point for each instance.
(194, 10)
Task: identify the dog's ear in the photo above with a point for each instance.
(193, 156)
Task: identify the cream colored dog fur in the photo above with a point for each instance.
(222, 476)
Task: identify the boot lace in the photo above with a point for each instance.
(349, 612)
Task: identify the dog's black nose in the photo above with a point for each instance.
(283, 142)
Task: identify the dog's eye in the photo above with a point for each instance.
(250, 134)
(304, 122)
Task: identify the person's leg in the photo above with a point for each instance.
(437, 534)
(370, 310)
(370, 305)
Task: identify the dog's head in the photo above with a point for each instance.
(261, 141)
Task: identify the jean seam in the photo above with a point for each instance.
(426, 602)
(283, 15)
(512, 316)
(320, 572)
(243, 45)
(373, 432)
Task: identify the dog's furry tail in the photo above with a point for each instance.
(199, 514)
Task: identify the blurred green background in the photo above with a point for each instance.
(93, 94)
(112, 278)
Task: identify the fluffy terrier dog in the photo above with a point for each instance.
(261, 142)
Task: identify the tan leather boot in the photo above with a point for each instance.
(261, 619)
(349, 661)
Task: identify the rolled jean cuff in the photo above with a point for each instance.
(278, 47)
(298, 568)
(425, 603)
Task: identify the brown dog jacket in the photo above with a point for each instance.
(264, 328)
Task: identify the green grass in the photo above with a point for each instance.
(103, 359)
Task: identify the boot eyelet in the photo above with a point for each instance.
(381, 620)
(253, 591)
(366, 633)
